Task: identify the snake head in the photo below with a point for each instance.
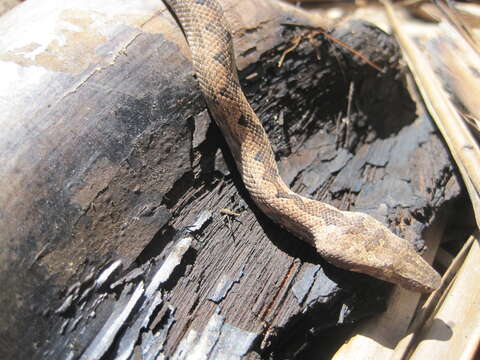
(364, 245)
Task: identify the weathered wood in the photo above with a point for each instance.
(121, 204)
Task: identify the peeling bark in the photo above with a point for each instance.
(126, 229)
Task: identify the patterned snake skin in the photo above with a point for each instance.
(349, 240)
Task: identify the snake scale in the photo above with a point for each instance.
(349, 240)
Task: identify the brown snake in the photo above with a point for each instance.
(349, 240)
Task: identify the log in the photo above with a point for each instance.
(126, 231)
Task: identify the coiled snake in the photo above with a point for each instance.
(349, 240)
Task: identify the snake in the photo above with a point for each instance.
(354, 241)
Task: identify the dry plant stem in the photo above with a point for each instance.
(452, 16)
(314, 32)
(458, 72)
(407, 3)
(405, 346)
(460, 141)
(459, 312)
(320, 1)
(473, 121)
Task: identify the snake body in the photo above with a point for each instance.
(350, 240)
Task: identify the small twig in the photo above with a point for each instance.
(296, 41)
(40, 254)
(473, 121)
(318, 30)
(352, 50)
(226, 211)
(452, 16)
(351, 89)
(407, 3)
(405, 346)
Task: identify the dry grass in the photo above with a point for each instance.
(447, 116)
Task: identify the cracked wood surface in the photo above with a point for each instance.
(108, 155)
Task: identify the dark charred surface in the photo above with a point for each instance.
(123, 208)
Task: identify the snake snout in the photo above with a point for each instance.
(377, 252)
(413, 272)
(406, 267)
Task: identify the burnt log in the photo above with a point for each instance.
(126, 230)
